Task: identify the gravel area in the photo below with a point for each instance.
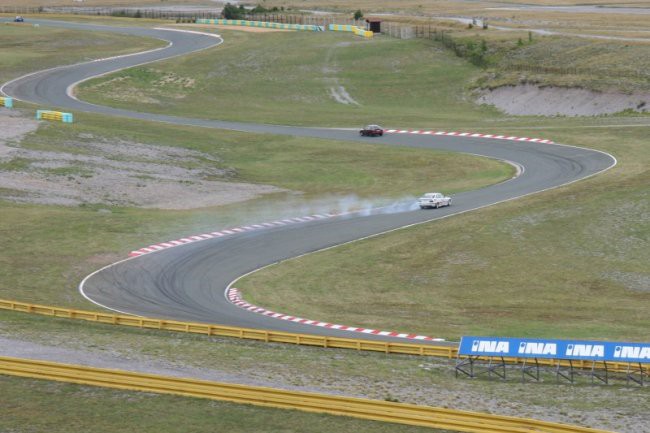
(111, 358)
(100, 170)
(528, 99)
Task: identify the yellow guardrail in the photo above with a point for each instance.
(461, 421)
(439, 351)
(230, 331)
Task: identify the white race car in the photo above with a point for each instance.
(433, 200)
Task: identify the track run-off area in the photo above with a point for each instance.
(190, 281)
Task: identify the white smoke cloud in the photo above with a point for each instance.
(348, 205)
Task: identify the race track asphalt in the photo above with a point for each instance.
(188, 282)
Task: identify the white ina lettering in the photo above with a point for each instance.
(632, 352)
(490, 346)
(586, 350)
(532, 348)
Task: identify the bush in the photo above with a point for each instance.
(358, 15)
(232, 12)
(471, 50)
(259, 9)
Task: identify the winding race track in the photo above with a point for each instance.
(188, 282)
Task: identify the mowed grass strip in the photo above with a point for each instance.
(25, 48)
(61, 407)
(296, 78)
(571, 262)
(63, 244)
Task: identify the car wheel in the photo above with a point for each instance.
(436, 206)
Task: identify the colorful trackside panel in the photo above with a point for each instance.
(555, 349)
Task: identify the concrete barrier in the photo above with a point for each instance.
(261, 24)
(54, 115)
(6, 102)
(352, 29)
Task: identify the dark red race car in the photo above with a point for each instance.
(372, 131)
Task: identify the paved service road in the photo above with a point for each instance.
(188, 282)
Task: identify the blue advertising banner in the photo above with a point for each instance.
(555, 349)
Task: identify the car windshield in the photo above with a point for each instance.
(373, 127)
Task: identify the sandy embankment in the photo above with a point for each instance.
(528, 99)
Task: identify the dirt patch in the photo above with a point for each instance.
(341, 95)
(100, 170)
(330, 70)
(12, 129)
(528, 99)
(162, 86)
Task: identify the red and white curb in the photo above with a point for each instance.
(234, 296)
(232, 231)
(469, 135)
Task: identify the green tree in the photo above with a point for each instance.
(358, 15)
(232, 12)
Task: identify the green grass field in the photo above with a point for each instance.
(245, 79)
(571, 262)
(551, 251)
(25, 48)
